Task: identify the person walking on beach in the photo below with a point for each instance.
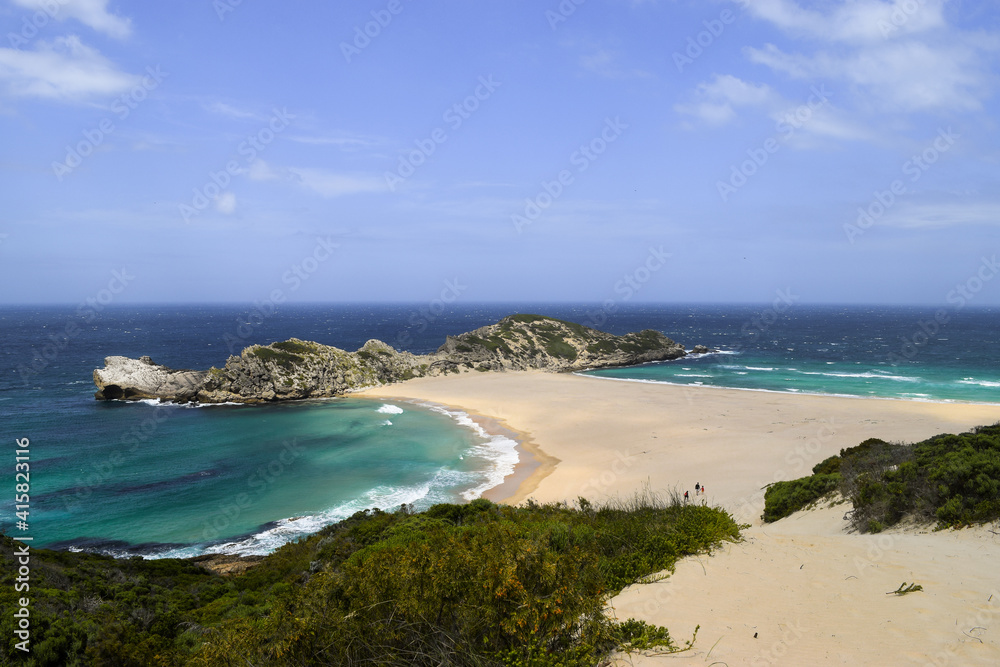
(697, 486)
(685, 496)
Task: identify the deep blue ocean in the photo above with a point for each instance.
(169, 480)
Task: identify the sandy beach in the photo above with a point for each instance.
(812, 593)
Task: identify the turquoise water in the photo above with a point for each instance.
(171, 480)
(155, 480)
(840, 378)
(845, 351)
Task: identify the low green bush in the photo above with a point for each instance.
(474, 584)
(950, 480)
(785, 498)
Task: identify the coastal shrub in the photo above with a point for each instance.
(286, 360)
(294, 347)
(473, 584)
(558, 347)
(476, 584)
(950, 480)
(827, 466)
(785, 498)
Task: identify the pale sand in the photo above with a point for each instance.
(813, 594)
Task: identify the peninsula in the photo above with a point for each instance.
(296, 369)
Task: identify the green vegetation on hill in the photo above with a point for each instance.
(952, 480)
(284, 359)
(476, 584)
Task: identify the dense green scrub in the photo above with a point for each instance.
(476, 584)
(951, 480)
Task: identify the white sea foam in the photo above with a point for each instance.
(387, 423)
(691, 375)
(499, 451)
(286, 530)
(980, 383)
(868, 375)
(759, 368)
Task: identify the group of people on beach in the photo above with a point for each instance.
(699, 489)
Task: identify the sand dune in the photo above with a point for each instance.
(813, 594)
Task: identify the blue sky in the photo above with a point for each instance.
(389, 150)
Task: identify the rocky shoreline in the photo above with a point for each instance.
(297, 369)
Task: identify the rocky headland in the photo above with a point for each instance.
(296, 369)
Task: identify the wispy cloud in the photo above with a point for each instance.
(899, 56)
(896, 77)
(857, 22)
(716, 101)
(92, 13)
(225, 203)
(64, 70)
(224, 109)
(606, 63)
(323, 182)
(941, 215)
(346, 141)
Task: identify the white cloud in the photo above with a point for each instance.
(224, 109)
(896, 76)
(716, 101)
(321, 181)
(858, 21)
(65, 70)
(345, 141)
(899, 56)
(605, 63)
(225, 203)
(942, 214)
(813, 117)
(92, 13)
(331, 184)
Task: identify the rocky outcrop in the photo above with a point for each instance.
(522, 342)
(297, 369)
(135, 379)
